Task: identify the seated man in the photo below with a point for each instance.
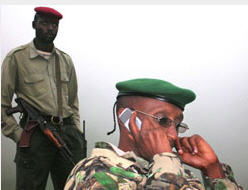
(145, 158)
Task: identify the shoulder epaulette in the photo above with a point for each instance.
(61, 51)
(19, 48)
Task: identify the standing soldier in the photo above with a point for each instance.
(45, 78)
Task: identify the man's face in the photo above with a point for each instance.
(161, 109)
(46, 28)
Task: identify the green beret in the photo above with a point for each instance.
(158, 89)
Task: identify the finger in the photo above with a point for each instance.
(147, 124)
(178, 146)
(133, 127)
(190, 159)
(185, 144)
(193, 144)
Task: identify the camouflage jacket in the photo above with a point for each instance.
(110, 168)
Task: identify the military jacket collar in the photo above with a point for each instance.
(129, 158)
(33, 51)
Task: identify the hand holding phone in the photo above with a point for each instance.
(125, 117)
(151, 140)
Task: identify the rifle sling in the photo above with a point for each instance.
(59, 87)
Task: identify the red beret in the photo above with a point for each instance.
(49, 11)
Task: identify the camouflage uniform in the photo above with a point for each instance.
(110, 168)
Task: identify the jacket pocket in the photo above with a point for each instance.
(35, 84)
(64, 77)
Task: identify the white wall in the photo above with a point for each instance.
(201, 47)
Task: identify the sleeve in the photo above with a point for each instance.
(74, 103)
(9, 126)
(89, 174)
(101, 172)
(167, 171)
(222, 183)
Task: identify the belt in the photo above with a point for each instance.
(55, 120)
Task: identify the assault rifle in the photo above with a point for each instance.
(35, 118)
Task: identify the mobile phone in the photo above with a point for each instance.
(125, 117)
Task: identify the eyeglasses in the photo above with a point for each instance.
(167, 122)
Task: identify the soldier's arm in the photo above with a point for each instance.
(84, 177)
(105, 169)
(200, 155)
(10, 128)
(73, 99)
(167, 171)
(228, 182)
